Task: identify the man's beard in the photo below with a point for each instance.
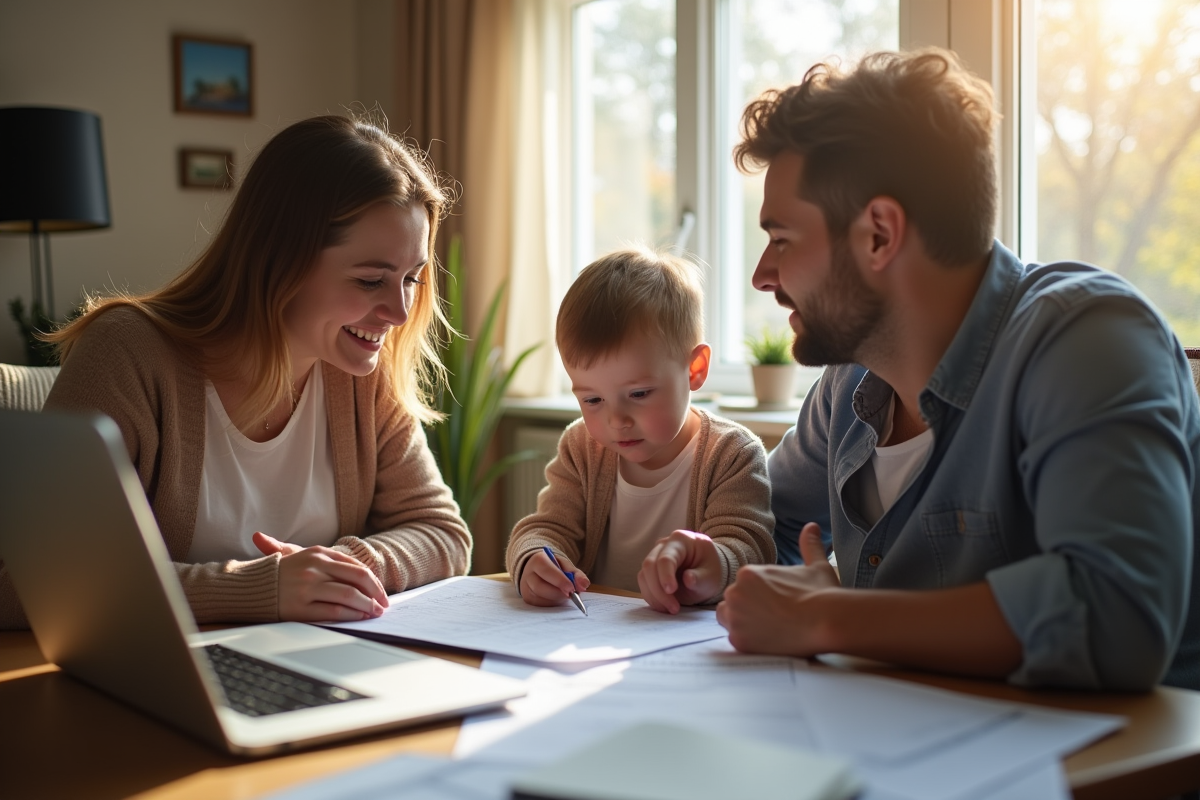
(839, 317)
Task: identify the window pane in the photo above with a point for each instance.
(1117, 144)
(624, 73)
(772, 43)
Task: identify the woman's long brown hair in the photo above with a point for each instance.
(304, 189)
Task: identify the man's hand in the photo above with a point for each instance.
(767, 609)
(682, 569)
(319, 584)
(544, 584)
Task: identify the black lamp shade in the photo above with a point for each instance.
(52, 172)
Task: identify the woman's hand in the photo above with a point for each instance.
(318, 584)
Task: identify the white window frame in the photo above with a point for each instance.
(985, 34)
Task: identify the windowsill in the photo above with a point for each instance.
(564, 409)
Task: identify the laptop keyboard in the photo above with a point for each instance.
(256, 688)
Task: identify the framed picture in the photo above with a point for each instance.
(205, 169)
(213, 76)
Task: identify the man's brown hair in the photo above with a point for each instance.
(915, 126)
(625, 292)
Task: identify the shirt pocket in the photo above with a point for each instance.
(966, 544)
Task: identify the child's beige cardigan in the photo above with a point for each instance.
(729, 500)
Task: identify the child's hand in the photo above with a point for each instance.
(544, 584)
(682, 569)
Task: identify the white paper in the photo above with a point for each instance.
(746, 714)
(1043, 781)
(907, 742)
(902, 719)
(702, 667)
(998, 750)
(708, 686)
(548, 692)
(489, 616)
(993, 757)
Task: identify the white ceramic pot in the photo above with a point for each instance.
(774, 384)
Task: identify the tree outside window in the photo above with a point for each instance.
(1118, 145)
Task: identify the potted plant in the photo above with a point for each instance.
(37, 352)
(471, 401)
(772, 368)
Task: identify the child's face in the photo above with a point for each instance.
(635, 401)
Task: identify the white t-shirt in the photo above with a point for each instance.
(892, 470)
(284, 487)
(640, 516)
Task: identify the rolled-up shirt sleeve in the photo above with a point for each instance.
(1103, 414)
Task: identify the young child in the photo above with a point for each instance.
(646, 493)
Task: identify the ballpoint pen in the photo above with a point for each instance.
(571, 577)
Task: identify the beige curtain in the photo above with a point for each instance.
(478, 85)
(432, 49)
(487, 140)
(541, 208)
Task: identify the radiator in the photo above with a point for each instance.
(527, 478)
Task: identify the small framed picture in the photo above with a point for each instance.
(205, 169)
(213, 76)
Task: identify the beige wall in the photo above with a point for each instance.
(113, 57)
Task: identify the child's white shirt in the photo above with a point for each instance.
(641, 516)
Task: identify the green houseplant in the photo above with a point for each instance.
(772, 368)
(470, 401)
(37, 352)
(770, 347)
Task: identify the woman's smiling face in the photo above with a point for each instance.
(358, 290)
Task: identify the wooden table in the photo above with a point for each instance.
(59, 738)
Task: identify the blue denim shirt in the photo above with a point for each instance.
(1066, 437)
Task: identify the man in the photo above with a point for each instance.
(1003, 456)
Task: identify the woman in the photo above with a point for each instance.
(271, 396)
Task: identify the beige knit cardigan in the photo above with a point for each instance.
(729, 500)
(395, 514)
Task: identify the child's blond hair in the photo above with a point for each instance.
(630, 291)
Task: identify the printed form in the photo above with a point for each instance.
(489, 616)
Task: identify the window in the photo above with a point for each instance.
(658, 88)
(771, 44)
(1113, 157)
(623, 76)
(1099, 145)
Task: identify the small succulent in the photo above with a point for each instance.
(770, 347)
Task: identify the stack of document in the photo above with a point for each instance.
(598, 683)
(905, 741)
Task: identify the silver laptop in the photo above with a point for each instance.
(91, 569)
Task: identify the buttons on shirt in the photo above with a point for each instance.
(875, 559)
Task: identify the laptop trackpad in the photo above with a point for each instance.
(349, 659)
